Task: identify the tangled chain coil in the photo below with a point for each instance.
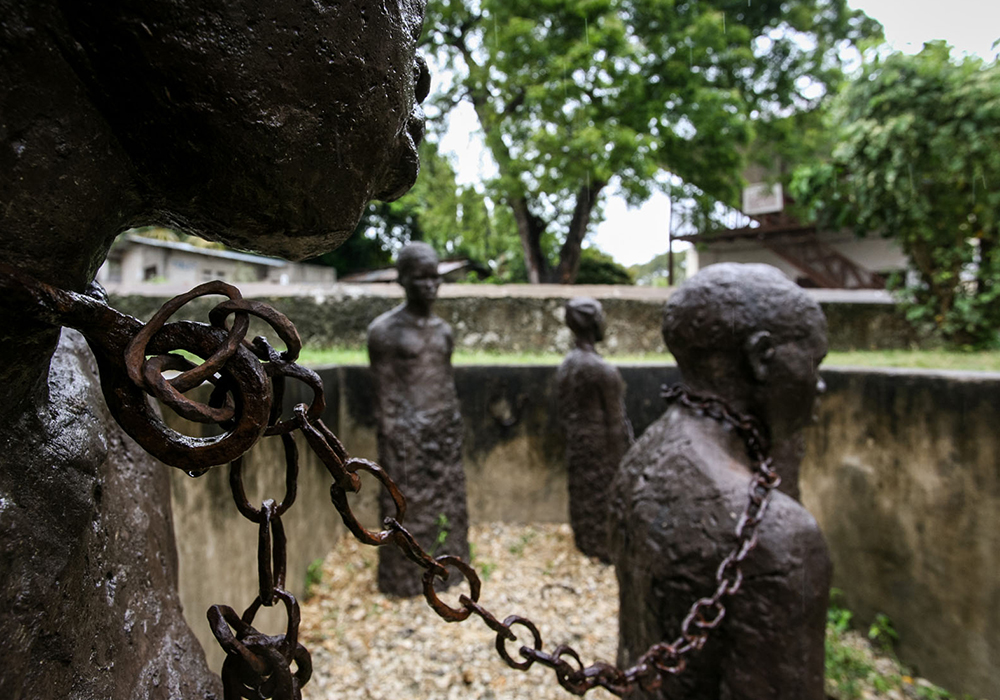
(246, 402)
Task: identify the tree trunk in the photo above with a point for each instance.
(569, 254)
(530, 229)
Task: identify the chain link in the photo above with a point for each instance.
(249, 382)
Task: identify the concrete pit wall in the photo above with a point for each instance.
(902, 472)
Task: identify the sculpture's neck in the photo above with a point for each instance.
(787, 461)
(786, 452)
(419, 310)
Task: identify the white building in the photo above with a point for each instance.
(811, 257)
(135, 260)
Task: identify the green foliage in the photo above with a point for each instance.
(918, 160)
(882, 633)
(485, 568)
(444, 527)
(313, 577)
(368, 248)
(457, 221)
(855, 669)
(574, 94)
(655, 273)
(517, 549)
(597, 267)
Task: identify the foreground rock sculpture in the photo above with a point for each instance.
(591, 398)
(747, 335)
(243, 122)
(419, 422)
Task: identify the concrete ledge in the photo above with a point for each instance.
(528, 318)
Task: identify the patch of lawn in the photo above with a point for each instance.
(984, 361)
(317, 357)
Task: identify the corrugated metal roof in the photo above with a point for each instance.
(210, 252)
(388, 274)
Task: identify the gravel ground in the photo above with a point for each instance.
(369, 646)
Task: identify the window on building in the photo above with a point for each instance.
(148, 273)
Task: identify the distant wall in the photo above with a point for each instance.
(519, 323)
(902, 472)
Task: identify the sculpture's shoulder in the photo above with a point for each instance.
(436, 321)
(384, 331)
(790, 538)
(694, 493)
(384, 323)
(441, 327)
(586, 366)
(661, 454)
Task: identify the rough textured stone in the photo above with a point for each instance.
(592, 411)
(89, 587)
(747, 335)
(419, 423)
(267, 126)
(496, 318)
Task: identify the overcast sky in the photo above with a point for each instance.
(634, 236)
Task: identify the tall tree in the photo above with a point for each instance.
(570, 94)
(918, 160)
(457, 221)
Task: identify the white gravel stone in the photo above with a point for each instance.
(366, 645)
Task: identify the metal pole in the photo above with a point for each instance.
(670, 246)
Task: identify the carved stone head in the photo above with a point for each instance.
(266, 125)
(751, 336)
(417, 266)
(585, 318)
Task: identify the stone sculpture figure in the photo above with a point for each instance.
(591, 398)
(419, 422)
(263, 125)
(747, 335)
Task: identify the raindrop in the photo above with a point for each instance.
(195, 473)
(586, 29)
(723, 22)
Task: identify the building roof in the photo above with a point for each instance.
(209, 252)
(388, 274)
(756, 232)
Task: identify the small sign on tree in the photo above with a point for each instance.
(763, 198)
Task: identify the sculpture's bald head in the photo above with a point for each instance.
(747, 332)
(585, 317)
(267, 125)
(417, 268)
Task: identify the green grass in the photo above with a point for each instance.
(984, 361)
(858, 667)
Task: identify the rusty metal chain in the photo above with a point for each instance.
(246, 402)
